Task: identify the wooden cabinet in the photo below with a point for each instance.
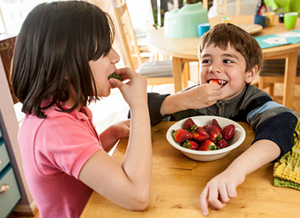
(9, 191)
(7, 44)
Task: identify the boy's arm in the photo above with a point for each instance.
(274, 126)
(196, 97)
(222, 188)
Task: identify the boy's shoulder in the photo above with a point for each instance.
(252, 93)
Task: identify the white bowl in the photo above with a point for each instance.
(237, 140)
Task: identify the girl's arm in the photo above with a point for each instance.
(128, 183)
(222, 188)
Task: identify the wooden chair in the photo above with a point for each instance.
(221, 6)
(272, 72)
(156, 72)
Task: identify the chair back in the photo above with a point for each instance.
(221, 6)
(127, 34)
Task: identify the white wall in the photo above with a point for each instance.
(141, 16)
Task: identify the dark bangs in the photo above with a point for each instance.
(52, 54)
(223, 35)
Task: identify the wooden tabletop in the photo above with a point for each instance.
(178, 181)
(184, 50)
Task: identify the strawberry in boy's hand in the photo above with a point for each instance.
(214, 81)
(207, 145)
(215, 133)
(220, 82)
(190, 144)
(181, 135)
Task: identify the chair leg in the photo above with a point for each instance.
(186, 74)
(271, 89)
(261, 83)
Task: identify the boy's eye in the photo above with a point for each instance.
(226, 61)
(205, 61)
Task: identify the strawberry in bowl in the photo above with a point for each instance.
(211, 137)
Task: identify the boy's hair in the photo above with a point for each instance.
(225, 34)
(52, 53)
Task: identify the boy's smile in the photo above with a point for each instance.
(218, 81)
(225, 67)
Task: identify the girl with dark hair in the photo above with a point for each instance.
(62, 59)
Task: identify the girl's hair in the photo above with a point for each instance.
(52, 53)
(225, 34)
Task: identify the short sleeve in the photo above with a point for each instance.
(64, 144)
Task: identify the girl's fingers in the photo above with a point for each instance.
(126, 73)
(115, 83)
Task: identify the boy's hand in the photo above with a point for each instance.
(203, 96)
(219, 190)
(196, 98)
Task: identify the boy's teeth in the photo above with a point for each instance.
(219, 81)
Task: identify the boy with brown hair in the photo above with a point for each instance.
(232, 57)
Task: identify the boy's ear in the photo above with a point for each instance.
(250, 75)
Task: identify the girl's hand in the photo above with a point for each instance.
(134, 91)
(220, 190)
(112, 134)
(121, 129)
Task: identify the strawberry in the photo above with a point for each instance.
(188, 124)
(228, 131)
(215, 134)
(207, 145)
(222, 143)
(190, 144)
(201, 134)
(214, 81)
(215, 123)
(117, 76)
(180, 135)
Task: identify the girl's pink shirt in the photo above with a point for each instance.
(54, 150)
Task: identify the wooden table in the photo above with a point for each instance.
(178, 181)
(186, 49)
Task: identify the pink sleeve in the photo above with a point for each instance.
(66, 145)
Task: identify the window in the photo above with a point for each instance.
(13, 13)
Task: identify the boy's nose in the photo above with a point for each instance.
(215, 68)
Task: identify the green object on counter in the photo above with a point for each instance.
(286, 5)
(182, 23)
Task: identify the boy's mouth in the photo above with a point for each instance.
(218, 81)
